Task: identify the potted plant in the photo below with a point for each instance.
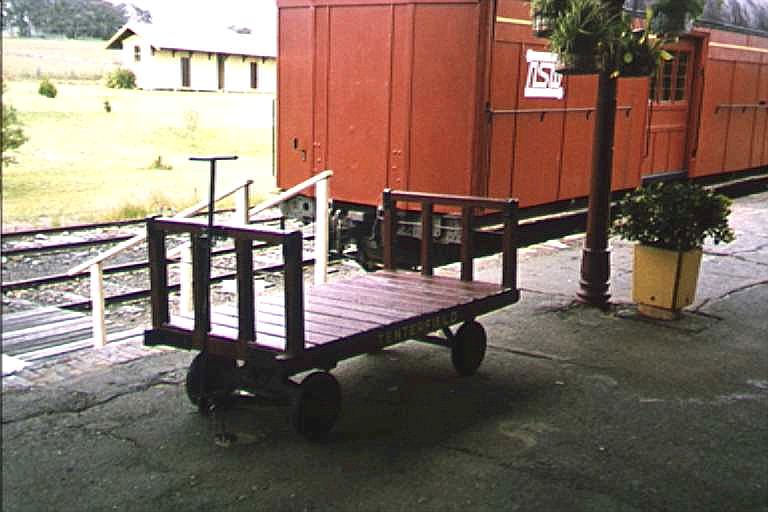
(580, 35)
(671, 18)
(544, 14)
(670, 221)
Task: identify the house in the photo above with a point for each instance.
(169, 58)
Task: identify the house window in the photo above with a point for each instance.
(670, 83)
(254, 75)
(137, 53)
(186, 80)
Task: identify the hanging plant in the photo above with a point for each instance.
(581, 35)
(544, 14)
(637, 53)
(671, 18)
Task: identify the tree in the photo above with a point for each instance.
(69, 18)
(12, 133)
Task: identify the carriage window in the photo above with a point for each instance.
(670, 84)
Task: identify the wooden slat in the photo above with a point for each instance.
(29, 318)
(293, 282)
(388, 230)
(350, 294)
(424, 287)
(186, 325)
(245, 292)
(427, 245)
(387, 290)
(158, 274)
(467, 244)
(201, 283)
(275, 327)
(447, 282)
(405, 291)
(509, 246)
(324, 322)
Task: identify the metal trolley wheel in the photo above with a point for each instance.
(468, 350)
(218, 380)
(317, 405)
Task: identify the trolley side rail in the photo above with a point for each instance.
(164, 332)
(468, 205)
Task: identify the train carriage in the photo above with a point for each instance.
(458, 97)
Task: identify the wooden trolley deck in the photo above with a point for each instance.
(280, 335)
(368, 312)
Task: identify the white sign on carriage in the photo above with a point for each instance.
(542, 80)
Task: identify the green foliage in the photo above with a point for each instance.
(73, 19)
(548, 7)
(590, 36)
(637, 53)
(544, 13)
(673, 215)
(580, 34)
(670, 18)
(47, 89)
(121, 78)
(12, 132)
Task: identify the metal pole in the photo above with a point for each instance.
(595, 262)
(202, 277)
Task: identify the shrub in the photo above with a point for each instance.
(12, 132)
(673, 215)
(47, 89)
(121, 78)
(159, 165)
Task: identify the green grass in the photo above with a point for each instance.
(82, 163)
(57, 58)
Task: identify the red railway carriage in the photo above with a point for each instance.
(458, 96)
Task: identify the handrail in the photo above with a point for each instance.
(320, 181)
(96, 264)
(742, 106)
(141, 237)
(291, 192)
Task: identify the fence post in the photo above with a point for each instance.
(185, 281)
(97, 306)
(321, 231)
(242, 203)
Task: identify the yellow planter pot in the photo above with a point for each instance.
(664, 281)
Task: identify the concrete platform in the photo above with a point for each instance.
(574, 409)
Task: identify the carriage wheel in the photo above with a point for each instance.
(317, 405)
(219, 373)
(468, 349)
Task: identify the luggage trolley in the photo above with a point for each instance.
(259, 345)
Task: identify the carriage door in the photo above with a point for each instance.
(671, 103)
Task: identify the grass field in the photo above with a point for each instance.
(57, 58)
(82, 163)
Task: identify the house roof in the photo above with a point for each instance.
(261, 42)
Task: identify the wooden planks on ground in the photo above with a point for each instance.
(42, 328)
(47, 332)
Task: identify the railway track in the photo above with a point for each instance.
(35, 259)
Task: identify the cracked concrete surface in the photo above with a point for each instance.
(573, 409)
